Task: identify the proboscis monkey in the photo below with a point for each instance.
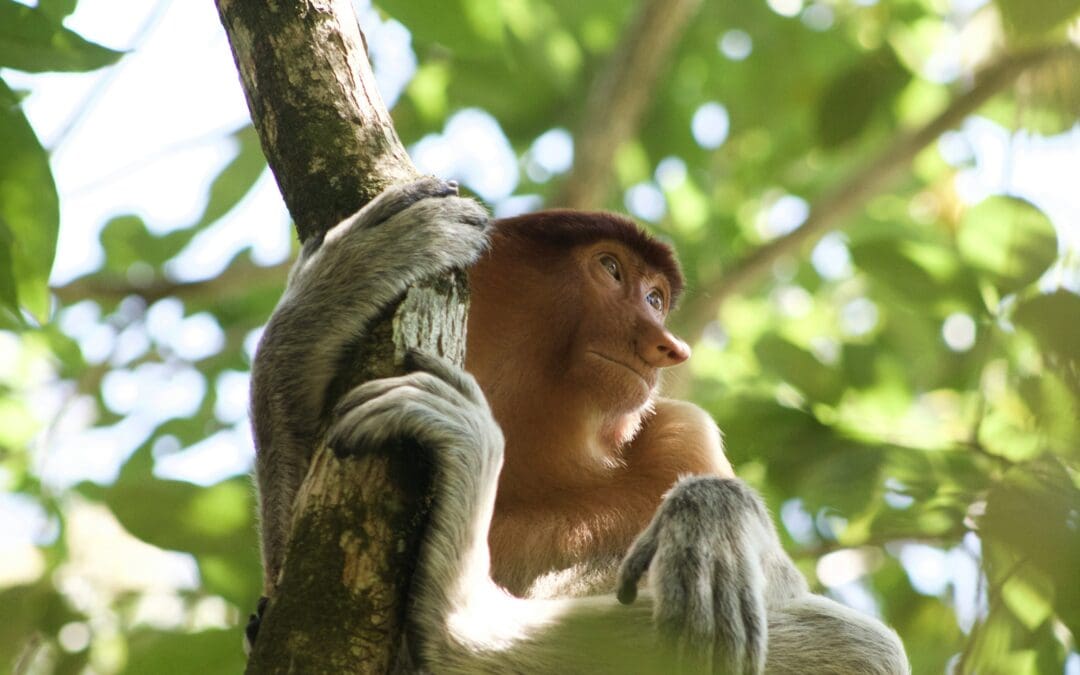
(560, 475)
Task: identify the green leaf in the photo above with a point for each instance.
(1034, 514)
(1054, 320)
(210, 652)
(846, 479)
(236, 179)
(57, 9)
(799, 368)
(1008, 239)
(128, 241)
(465, 27)
(27, 609)
(888, 263)
(186, 517)
(1033, 17)
(34, 41)
(855, 95)
(8, 294)
(29, 208)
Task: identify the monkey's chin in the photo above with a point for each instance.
(626, 386)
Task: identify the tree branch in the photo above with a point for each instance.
(339, 605)
(241, 274)
(619, 98)
(325, 131)
(830, 210)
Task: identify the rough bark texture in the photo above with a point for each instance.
(331, 145)
(324, 129)
(620, 96)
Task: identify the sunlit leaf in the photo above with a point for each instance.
(1034, 514)
(186, 517)
(1008, 239)
(29, 211)
(8, 295)
(1029, 596)
(128, 242)
(1054, 320)
(57, 9)
(467, 27)
(34, 41)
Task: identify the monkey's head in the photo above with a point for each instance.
(575, 303)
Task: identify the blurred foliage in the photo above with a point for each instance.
(915, 399)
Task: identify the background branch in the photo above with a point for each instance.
(619, 97)
(829, 211)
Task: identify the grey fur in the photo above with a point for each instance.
(722, 596)
(337, 287)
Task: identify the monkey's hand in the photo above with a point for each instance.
(408, 232)
(440, 406)
(704, 551)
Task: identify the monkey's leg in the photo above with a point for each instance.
(813, 634)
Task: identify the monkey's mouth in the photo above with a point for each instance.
(624, 365)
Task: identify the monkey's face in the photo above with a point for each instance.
(617, 342)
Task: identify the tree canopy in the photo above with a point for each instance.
(874, 202)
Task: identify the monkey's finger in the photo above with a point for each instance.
(739, 608)
(376, 388)
(682, 589)
(635, 563)
(397, 198)
(456, 377)
(458, 210)
(400, 413)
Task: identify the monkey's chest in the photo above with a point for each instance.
(560, 552)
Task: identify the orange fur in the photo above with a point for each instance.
(569, 358)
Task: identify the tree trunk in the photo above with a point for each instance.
(332, 147)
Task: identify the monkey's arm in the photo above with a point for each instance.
(729, 598)
(338, 286)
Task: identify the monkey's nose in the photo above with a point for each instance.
(661, 349)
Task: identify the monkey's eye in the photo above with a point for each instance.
(611, 265)
(655, 299)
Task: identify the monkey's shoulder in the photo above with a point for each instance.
(681, 438)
